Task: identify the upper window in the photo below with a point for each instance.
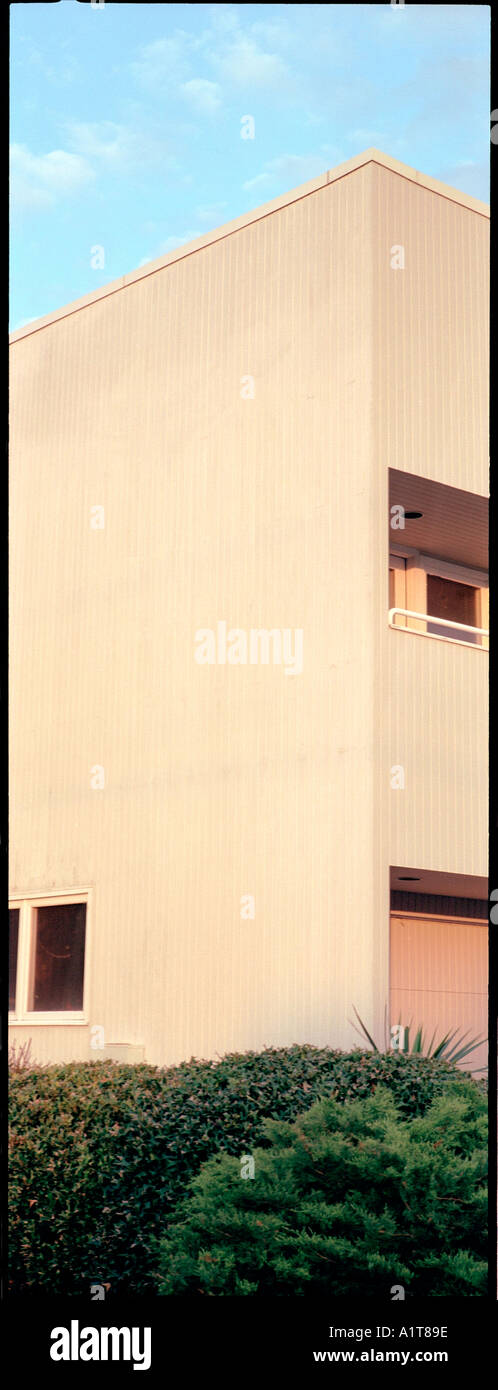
(448, 599)
(47, 946)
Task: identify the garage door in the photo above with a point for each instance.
(439, 977)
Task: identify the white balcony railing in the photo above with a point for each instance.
(441, 622)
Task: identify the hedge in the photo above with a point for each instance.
(101, 1153)
(349, 1200)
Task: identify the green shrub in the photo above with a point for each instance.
(348, 1200)
(100, 1153)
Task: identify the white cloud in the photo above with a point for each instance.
(204, 96)
(274, 33)
(164, 63)
(228, 49)
(117, 147)
(170, 243)
(291, 170)
(39, 180)
(224, 17)
(244, 64)
(65, 71)
(432, 24)
(211, 213)
(98, 140)
(258, 182)
(369, 137)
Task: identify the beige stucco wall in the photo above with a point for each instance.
(268, 512)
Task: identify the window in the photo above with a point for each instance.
(47, 957)
(448, 599)
(57, 958)
(13, 944)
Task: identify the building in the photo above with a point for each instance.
(249, 634)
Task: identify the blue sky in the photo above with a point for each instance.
(126, 120)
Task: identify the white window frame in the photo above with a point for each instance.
(26, 903)
(398, 564)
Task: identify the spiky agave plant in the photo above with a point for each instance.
(452, 1047)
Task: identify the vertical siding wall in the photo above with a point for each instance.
(431, 332)
(438, 728)
(220, 781)
(430, 324)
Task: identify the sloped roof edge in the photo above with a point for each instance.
(370, 156)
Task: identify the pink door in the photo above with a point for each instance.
(439, 977)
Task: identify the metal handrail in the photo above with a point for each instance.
(442, 622)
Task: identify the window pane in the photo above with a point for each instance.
(58, 957)
(448, 599)
(13, 942)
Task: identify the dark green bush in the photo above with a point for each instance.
(100, 1153)
(348, 1200)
